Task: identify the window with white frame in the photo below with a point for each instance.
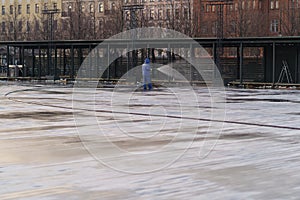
(208, 8)
(274, 4)
(37, 8)
(101, 8)
(213, 8)
(91, 7)
(127, 15)
(28, 9)
(82, 8)
(152, 14)
(274, 26)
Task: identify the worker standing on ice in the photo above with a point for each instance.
(147, 74)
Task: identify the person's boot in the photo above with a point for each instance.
(150, 86)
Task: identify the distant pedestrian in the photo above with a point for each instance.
(147, 75)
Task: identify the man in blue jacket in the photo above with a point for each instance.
(147, 74)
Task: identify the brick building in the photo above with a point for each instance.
(247, 18)
(172, 14)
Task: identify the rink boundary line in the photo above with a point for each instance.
(144, 114)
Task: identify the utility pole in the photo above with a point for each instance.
(50, 18)
(220, 27)
(133, 8)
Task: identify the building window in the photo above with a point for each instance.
(243, 5)
(213, 8)
(236, 6)
(259, 4)
(20, 27)
(55, 24)
(248, 5)
(19, 9)
(28, 8)
(37, 8)
(11, 9)
(101, 8)
(274, 26)
(295, 4)
(91, 8)
(100, 24)
(208, 8)
(177, 13)
(11, 26)
(3, 10)
(37, 25)
(55, 6)
(45, 6)
(168, 15)
(274, 4)
(152, 14)
(233, 26)
(186, 13)
(113, 6)
(253, 4)
(82, 8)
(214, 28)
(127, 15)
(160, 14)
(27, 26)
(204, 29)
(3, 27)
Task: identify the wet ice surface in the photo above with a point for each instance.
(44, 156)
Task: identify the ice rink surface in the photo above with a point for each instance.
(162, 144)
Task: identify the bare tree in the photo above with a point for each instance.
(247, 19)
(114, 22)
(289, 19)
(14, 22)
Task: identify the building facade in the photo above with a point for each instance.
(172, 14)
(27, 19)
(247, 18)
(98, 19)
